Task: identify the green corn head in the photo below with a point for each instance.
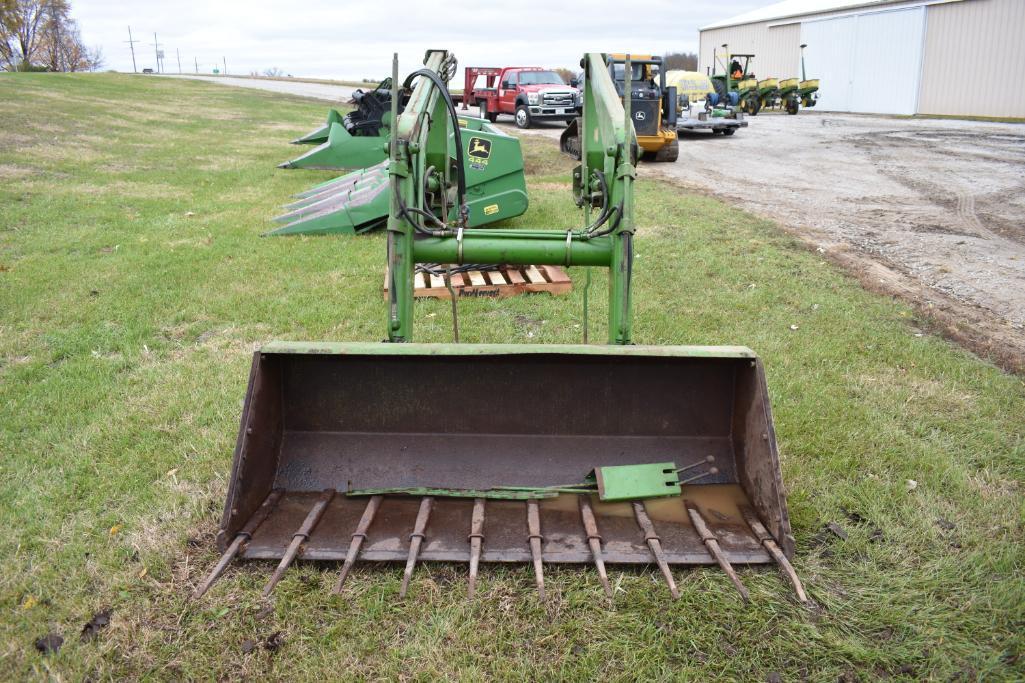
(359, 201)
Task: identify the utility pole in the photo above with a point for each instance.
(178, 52)
(225, 65)
(131, 46)
(156, 50)
(197, 64)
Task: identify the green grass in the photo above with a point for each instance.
(133, 287)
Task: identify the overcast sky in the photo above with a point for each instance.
(348, 39)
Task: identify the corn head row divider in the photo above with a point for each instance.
(616, 454)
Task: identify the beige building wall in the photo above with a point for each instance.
(777, 50)
(974, 59)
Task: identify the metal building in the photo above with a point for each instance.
(953, 57)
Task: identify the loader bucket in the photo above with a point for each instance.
(324, 419)
(359, 201)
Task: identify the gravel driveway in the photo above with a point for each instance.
(927, 209)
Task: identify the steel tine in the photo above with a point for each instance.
(358, 537)
(769, 543)
(535, 538)
(594, 540)
(300, 537)
(415, 541)
(241, 538)
(655, 545)
(712, 544)
(476, 539)
(702, 475)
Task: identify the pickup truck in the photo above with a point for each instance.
(528, 93)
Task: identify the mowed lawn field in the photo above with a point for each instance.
(134, 286)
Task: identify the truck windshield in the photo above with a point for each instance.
(540, 78)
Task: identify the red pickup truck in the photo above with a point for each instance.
(529, 93)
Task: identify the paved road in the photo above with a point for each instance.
(319, 91)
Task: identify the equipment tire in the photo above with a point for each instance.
(792, 106)
(522, 117)
(753, 105)
(669, 153)
(729, 131)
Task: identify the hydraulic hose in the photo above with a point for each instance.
(454, 117)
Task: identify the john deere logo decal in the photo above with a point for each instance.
(479, 151)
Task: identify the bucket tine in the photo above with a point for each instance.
(535, 537)
(655, 544)
(476, 540)
(300, 536)
(765, 538)
(358, 537)
(712, 543)
(242, 537)
(415, 540)
(594, 540)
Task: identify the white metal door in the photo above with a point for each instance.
(869, 62)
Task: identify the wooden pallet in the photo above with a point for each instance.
(505, 282)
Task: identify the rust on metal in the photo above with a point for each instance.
(300, 537)
(712, 543)
(416, 539)
(358, 537)
(476, 539)
(655, 544)
(594, 541)
(535, 538)
(241, 538)
(765, 538)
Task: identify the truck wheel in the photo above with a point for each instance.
(522, 117)
(729, 131)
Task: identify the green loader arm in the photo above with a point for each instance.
(422, 169)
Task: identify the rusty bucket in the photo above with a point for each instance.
(443, 421)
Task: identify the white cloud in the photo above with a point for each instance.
(332, 39)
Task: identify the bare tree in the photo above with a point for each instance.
(687, 61)
(21, 28)
(61, 45)
(566, 74)
(273, 72)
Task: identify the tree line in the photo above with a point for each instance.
(40, 35)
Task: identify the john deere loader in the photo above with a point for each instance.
(622, 454)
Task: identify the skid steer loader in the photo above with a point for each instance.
(617, 454)
(653, 107)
